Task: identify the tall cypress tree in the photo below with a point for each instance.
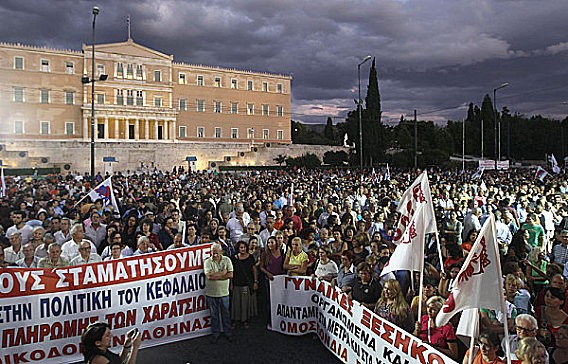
(373, 130)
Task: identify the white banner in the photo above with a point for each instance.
(44, 312)
(303, 305)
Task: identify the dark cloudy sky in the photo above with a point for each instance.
(432, 55)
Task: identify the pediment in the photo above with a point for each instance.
(128, 48)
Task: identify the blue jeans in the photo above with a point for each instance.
(220, 315)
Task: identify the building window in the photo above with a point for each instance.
(265, 134)
(44, 65)
(200, 81)
(129, 71)
(139, 72)
(217, 81)
(217, 106)
(139, 98)
(183, 132)
(250, 109)
(182, 80)
(69, 128)
(100, 69)
(101, 99)
(119, 97)
(183, 104)
(44, 96)
(18, 127)
(18, 94)
(265, 110)
(69, 68)
(249, 85)
(200, 132)
(18, 63)
(250, 132)
(157, 101)
(157, 76)
(69, 97)
(129, 97)
(234, 107)
(280, 134)
(279, 88)
(265, 86)
(234, 83)
(279, 110)
(200, 105)
(234, 133)
(119, 70)
(217, 132)
(44, 128)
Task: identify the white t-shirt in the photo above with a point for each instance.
(329, 268)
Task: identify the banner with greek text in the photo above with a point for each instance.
(303, 305)
(44, 312)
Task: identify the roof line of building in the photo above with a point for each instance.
(178, 63)
(35, 47)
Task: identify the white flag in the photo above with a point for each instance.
(540, 173)
(554, 164)
(417, 194)
(388, 174)
(468, 325)
(478, 173)
(3, 191)
(409, 253)
(479, 283)
(104, 192)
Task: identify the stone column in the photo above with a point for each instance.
(85, 128)
(106, 128)
(137, 129)
(116, 129)
(166, 131)
(175, 132)
(156, 129)
(147, 129)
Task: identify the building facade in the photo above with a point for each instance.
(147, 98)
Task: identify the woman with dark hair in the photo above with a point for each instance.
(146, 230)
(245, 281)
(167, 233)
(347, 272)
(454, 255)
(486, 350)
(213, 229)
(366, 290)
(550, 316)
(271, 264)
(129, 231)
(337, 246)
(519, 243)
(326, 269)
(97, 339)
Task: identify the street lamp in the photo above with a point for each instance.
(497, 128)
(92, 81)
(359, 106)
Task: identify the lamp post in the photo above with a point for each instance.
(497, 127)
(359, 106)
(95, 13)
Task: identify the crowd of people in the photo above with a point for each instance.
(335, 225)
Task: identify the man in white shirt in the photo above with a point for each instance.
(29, 260)
(14, 252)
(268, 232)
(70, 250)
(85, 255)
(63, 234)
(236, 225)
(96, 231)
(20, 226)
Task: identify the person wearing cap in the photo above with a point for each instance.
(70, 250)
(149, 215)
(85, 255)
(15, 251)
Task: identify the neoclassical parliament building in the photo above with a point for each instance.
(149, 109)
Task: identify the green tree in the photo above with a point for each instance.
(280, 159)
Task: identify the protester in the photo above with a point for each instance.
(486, 351)
(296, 260)
(442, 338)
(531, 351)
(218, 272)
(96, 341)
(53, 260)
(393, 307)
(326, 269)
(366, 289)
(245, 284)
(86, 256)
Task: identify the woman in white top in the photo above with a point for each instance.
(326, 269)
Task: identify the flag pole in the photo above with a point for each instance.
(501, 292)
(439, 251)
(421, 288)
(472, 338)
